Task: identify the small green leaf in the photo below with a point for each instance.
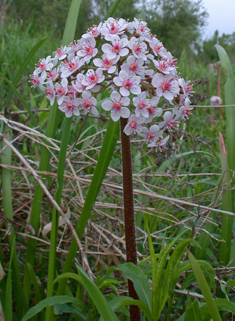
(204, 288)
(141, 285)
(62, 299)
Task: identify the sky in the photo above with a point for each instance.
(221, 17)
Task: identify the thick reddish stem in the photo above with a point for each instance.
(131, 251)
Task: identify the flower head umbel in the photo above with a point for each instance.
(134, 70)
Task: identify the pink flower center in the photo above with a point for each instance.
(60, 53)
(133, 124)
(93, 78)
(60, 91)
(142, 29)
(150, 136)
(51, 75)
(41, 65)
(163, 66)
(94, 31)
(133, 66)
(116, 105)
(150, 110)
(137, 48)
(107, 63)
(87, 104)
(142, 105)
(113, 29)
(49, 92)
(69, 106)
(72, 66)
(88, 50)
(157, 48)
(116, 47)
(127, 84)
(166, 86)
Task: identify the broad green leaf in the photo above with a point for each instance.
(63, 299)
(141, 285)
(204, 288)
(229, 100)
(227, 205)
(221, 304)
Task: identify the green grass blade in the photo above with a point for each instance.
(9, 304)
(204, 288)
(8, 213)
(227, 204)
(71, 22)
(97, 297)
(55, 214)
(106, 153)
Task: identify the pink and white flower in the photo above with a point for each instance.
(93, 31)
(69, 107)
(113, 27)
(106, 64)
(61, 90)
(92, 78)
(153, 111)
(36, 80)
(165, 86)
(88, 50)
(164, 67)
(141, 103)
(73, 65)
(128, 83)
(215, 101)
(157, 47)
(186, 87)
(87, 103)
(50, 92)
(52, 74)
(44, 65)
(160, 143)
(169, 119)
(133, 65)
(138, 47)
(133, 125)
(116, 105)
(152, 133)
(60, 54)
(117, 48)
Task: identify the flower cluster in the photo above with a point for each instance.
(131, 65)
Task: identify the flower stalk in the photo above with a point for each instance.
(129, 216)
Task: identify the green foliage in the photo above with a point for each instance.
(177, 23)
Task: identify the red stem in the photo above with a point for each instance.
(131, 251)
